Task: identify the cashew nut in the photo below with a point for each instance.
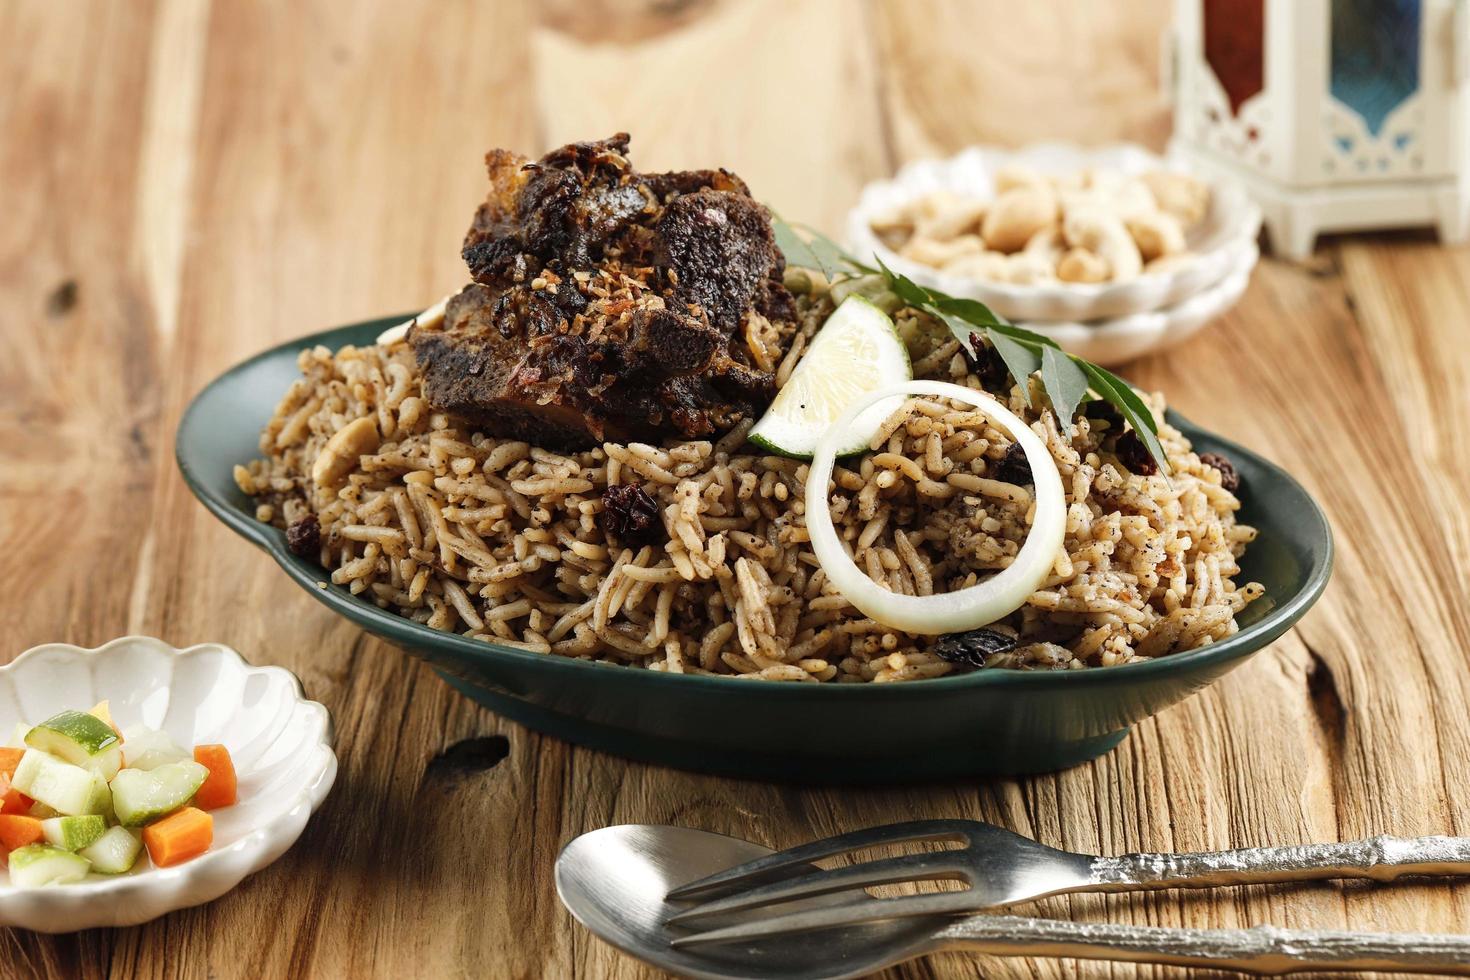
(1011, 177)
(1024, 268)
(1169, 263)
(1037, 262)
(1016, 215)
(1106, 236)
(1157, 234)
(1076, 180)
(1047, 243)
(1123, 194)
(989, 266)
(1186, 198)
(963, 216)
(337, 458)
(938, 253)
(897, 225)
(1082, 265)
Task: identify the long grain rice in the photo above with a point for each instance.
(502, 541)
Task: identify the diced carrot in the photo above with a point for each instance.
(12, 800)
(18, 831)
(9, 759)
(179, 836)
(219, 787)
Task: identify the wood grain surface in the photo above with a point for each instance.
(185, 182)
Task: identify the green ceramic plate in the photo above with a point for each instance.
(987, 722)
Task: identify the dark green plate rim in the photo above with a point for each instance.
(413, 635)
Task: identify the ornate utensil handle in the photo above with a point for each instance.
(1379, 858)
(1263, 949)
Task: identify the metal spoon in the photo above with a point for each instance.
(614, 881)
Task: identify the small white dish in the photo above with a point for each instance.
(279, 741)
(1233, 219)
(1115, 341)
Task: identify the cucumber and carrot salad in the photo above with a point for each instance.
(76, 797)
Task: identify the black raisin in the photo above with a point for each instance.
(1229, 476)
(304, 537)
(974, 647)
(1103, 411)
(1134, 455)
(1013, 467)
(987, 364)
(630, 515)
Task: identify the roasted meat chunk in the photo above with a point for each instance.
(609, 304)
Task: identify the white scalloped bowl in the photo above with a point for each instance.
(279, 741)
(1122, 339)
(1233, 220)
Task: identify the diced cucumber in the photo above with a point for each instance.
(79, 738)
(102, 799)
(139, 796)
(43, 812)
(148, 748)
(36, 865)
(69, 790)
(73, 833)
(114, 852)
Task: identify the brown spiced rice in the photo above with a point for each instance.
(501, 541)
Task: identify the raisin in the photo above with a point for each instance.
(1103, 411)
(1229, 476)
(1013, 467)
(1134, 455)
(304, 537)
(630, 515)
(974, 647)
(987, 364)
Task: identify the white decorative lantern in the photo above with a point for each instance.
(1337, 115)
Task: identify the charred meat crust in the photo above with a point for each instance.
(607, 304)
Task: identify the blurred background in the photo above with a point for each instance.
(320, 160)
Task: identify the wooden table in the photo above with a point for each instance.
(184, 183)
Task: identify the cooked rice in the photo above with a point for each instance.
(500, 540)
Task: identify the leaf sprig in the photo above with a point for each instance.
(1065, 378)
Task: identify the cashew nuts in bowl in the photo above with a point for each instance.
(1054, 232)
(1090, 226)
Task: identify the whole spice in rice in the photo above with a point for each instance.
(630, 515)
(1012, 467)
(1103, 411)
(989, 367)
(974, 647)
(304, 537)
(1134, 455)
(1229, 477)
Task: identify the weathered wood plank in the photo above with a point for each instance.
(80, 406)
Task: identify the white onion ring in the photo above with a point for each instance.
(433, 314)
(951, 612)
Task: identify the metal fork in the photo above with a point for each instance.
(1001, 868)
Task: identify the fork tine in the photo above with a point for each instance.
(851, 913)
(915, 830)
(905, 867)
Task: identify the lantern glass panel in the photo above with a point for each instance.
(1235, 45)
(1375, 57)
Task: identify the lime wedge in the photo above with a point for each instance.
(858, 350)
